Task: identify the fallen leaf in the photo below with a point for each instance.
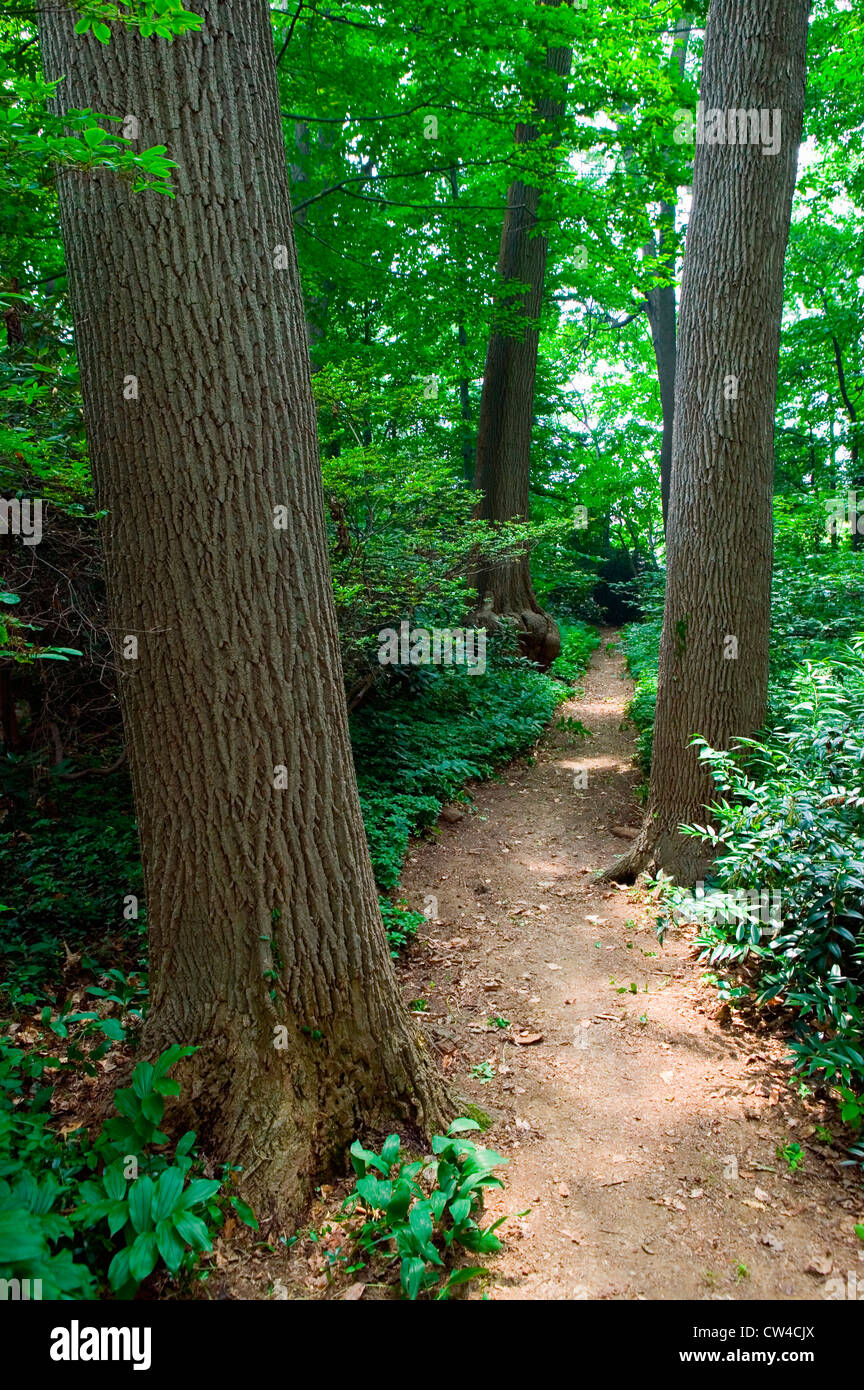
(525, 1039)
(354, 1292)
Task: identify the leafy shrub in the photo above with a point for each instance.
(400, 924)
(641, 649)
(30, 1229)
(65, 1228)
(792, 819)
(578, 641)
(427, 1208)
(401, 524)
(67, 860)
(815, 608)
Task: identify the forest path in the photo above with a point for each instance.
(626, 1124)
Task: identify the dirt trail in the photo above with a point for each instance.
(626, 1125)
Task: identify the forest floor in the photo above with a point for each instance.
(641, 1127)
(640, 1120)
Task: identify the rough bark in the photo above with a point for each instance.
(719, 549)
(261, 905)
(506, 412)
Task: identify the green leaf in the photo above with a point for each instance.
(114, 1181)
(142, 1079)
(113, 1029)
(461, 1125)
(460, 1209)
(20, 1237)
(191, 1229)
(420, 1220)
(198, 1191)
(140, 1203)
(412, 1271)
(461, 1276)
(170, 1057)
(143, 1254)
(169, 1244)
(366, 1158)
(167, 1193)
(185, 1143)
(118, 1271)
(245, 1212)
(118, 1217)
(390, 1150)
(153, 1108)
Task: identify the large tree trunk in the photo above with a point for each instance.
(714, 650)
(507, 400)
(267, 947)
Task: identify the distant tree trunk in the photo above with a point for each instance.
(465, 413)
(267, 946)
(661, 316)
(468, 446)
(12, 318)
(857, 518)
(660, 303)
(316, 306)
(714, 650)
(507, 400)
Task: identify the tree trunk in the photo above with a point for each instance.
(267, 948)
(507, 400)
(661, 316)
(714, 649)
(856, 475)
(660, 303)
(469, 448)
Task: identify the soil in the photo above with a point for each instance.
(640, 1119)
(642, 1124)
